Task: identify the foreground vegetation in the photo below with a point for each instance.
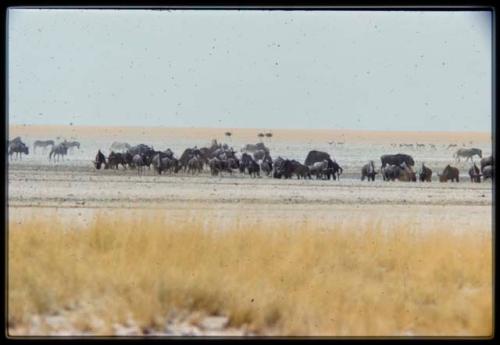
(359, 278)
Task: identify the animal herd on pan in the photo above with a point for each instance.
(255, 160)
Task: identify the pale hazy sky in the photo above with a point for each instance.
(380, 70)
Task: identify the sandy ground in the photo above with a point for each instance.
(73, 191)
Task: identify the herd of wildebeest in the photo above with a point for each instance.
(255, 159)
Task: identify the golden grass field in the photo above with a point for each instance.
(357, 278)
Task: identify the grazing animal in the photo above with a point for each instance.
(253, 169)
(467, 153)
(253, 148)
(266, 165)
(300, 170)
(71, 144)
(397, 159)
(260, 155)
(139, 163)
(319, 169)
(449, 173)
(489, 172)
(18, 148)
(43, 144)
(368, 171)
(425, 174)
(316, 156)
(100, 159)
(475, 174)
(390, 172)
(486, 161)
(116, 158)
(59, 150)
(195, 165)
(119, 147)
(406, 173)
(282, 168)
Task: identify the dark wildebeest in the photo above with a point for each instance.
(475, 174)
(100, 159)
(119, 147)
(486, 161)
(260, 155)
(43, 144)
(319, 169)
(187, 155)
(449, 173)
(300, 170)
(316, 156)
(253, 169)
(252, 148)
(59, 150)
(139, 163)
(390, 172)
(368, 170)
(116, 158)
(467, 153)
(195, 165)
(282, 168)
(18, 148)
(165, 163)
(245, 161)
(406, 173)
(267, 165)
(489, 172)
(397, 159)
(425, 174)
(334, 170)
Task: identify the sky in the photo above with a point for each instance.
(365, 70)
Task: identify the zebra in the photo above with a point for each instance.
(467, 153)
(42, 143)
(58, 150)
(71, 144)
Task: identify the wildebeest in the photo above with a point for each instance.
(195, 165)
(187, 155)
(406, 173)
(316, 156)
(260, 155)
(42, 143)
(390, 172)
(117, 158)
(282, 168)
(467, 153)
(368, 170)
(18, 148)
(489, 172)
(486, 161)
(425, 174)
(119, 146)
(266, 165)
(300, 170)
(319, 169)
(449, 173)
(139, 163)
(252, 148)
(165, 163)
(59, 150)
(100, 159)
(475, 174)
(397, 159)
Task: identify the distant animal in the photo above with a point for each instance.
(139, 163)
(390, 172)
(406, 173)
(475, 174)
(282, 168)
(117, 158)
(449, 173)
(316, 156)
(195, 165)
(260, 154)
(58, 151)
(451, 146)
(397, 159)
(486, 161)
(43, 144)
(467, 153)
(368, 171)
(425, 174)
(252, 148)
(300, 170)
(71, 144)
(489, 172)
(18, 148)
(100, 160)
(119, 146)
(266, 165)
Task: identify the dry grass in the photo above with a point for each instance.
(356, 278)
